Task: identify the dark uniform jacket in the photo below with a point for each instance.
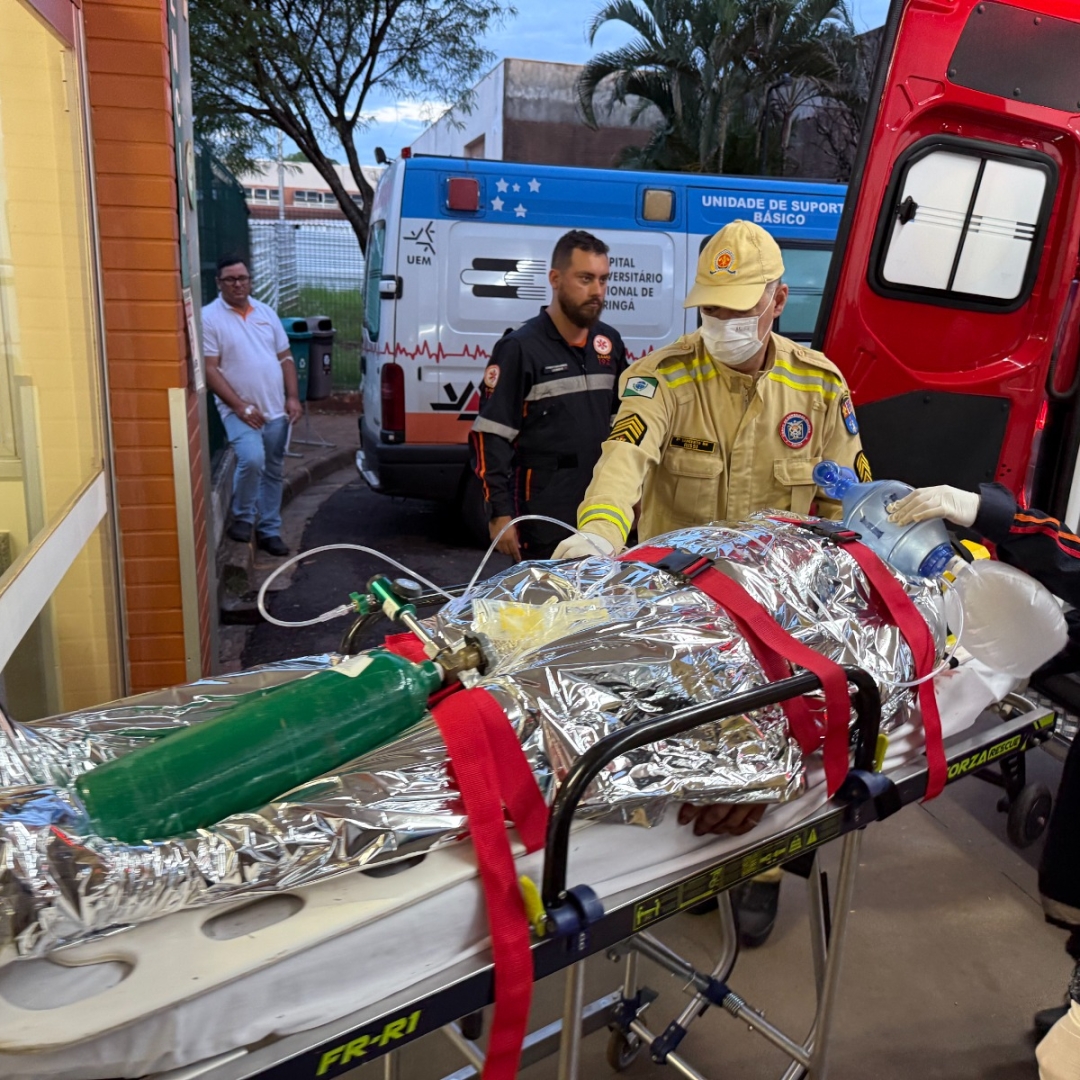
(545, 409)
(1043, 547)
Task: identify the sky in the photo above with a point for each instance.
(543, 30)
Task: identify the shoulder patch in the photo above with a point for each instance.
(847, 413)
(630, 428)
(862, 468)
(491, 376)
(640, 386)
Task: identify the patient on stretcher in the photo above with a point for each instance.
(573, 651)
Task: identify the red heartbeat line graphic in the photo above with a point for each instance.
(469, 352)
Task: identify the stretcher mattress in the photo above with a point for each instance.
(203, 982)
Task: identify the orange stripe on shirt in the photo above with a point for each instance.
(1049, 530)
(1054, 523)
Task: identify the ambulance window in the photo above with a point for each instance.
(962, 227)
(372, 303)
(804, 274)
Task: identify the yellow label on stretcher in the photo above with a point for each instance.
(357, 1048)
(772, 853)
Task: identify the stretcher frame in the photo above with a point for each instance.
(621, 927)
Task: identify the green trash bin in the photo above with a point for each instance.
(298, 332)
(320, 366)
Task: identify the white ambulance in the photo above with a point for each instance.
(459, 253)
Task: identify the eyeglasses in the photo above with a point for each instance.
(234, 280)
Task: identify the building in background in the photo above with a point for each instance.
(527, 110)
(105, 561)
(307, 194)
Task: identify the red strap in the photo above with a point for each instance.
(902, 610)
(487, 770)
(407, 645)
(767, 639)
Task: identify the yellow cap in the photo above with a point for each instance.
(735, 266)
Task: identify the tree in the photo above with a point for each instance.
(719, 72)
(307, 68)
(685, 61)
(793, 63)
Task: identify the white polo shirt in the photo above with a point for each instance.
(248, 345)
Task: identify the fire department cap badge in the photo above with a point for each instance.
(724, 263)
(847, 412)
(491, 376)
(796, 429)
(602, 345)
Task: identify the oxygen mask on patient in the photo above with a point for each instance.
(1009, 621)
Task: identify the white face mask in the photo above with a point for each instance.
(731, 341)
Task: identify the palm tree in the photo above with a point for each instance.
(685, 62)
(792, 60)
(710, 65)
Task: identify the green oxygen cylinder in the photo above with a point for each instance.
(261, 746)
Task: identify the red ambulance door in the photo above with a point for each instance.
(951, 301)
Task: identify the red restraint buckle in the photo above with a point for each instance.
(682, 564)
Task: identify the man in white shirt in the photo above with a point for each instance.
(251, 371)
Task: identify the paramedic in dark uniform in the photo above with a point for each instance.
(547, 401)
(724, 422)
(1047, 550)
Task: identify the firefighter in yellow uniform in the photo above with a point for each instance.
(728, 420)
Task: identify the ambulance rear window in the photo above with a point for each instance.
(964, 225)
(372, 301)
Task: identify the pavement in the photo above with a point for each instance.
(947, 954)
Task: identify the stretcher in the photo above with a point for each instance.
(328, 996)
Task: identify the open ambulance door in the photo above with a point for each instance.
(951, 303)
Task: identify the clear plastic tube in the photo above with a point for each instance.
(344, 609)
(948, 655)
(524, 517)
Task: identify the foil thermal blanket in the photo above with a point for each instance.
(644, 644)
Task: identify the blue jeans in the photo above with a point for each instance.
(260, 455)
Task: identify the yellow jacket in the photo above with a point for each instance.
(697, 442)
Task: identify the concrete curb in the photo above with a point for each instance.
(303, 477)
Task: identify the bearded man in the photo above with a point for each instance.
(547, 401)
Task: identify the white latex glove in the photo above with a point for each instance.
(577, 546)
(953, 504)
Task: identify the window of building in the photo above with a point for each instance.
(261, 194)
(475, 149)
(311, 197)
(59, 631)
(963, 224)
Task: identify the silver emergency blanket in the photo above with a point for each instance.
(654, 645)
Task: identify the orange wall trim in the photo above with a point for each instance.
(127, 46)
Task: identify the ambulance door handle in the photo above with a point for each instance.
(389, 287)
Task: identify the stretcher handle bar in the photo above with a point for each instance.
(584, 771)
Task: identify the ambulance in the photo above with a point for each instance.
(459, 251)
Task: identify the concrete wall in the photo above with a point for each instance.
(456, 129)
(527, 110)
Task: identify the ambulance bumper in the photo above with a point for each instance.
(419, 471)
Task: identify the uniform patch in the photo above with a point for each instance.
(724, 263)
(862, 468)
(640, 386)
(796, 429)
(491, 376)
(602, 345)
(629, 428)
(847, 411)
(703, 445)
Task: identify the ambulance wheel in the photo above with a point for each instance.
(622, 1050)
(473, 508)
(1028, 814)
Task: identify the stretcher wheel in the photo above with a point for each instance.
(622, 1050)
(1028, 814)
